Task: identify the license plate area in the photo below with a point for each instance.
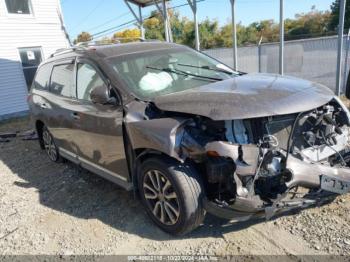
(335, 185)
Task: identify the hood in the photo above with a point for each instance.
(248, 96)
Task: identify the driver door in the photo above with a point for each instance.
(98, 128)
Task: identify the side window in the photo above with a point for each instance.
(19, 7)
(42, 77)
(87, 79)
(31, 57)
(62, 80)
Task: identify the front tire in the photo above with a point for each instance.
(172, 194)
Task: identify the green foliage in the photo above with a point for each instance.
(154, 27)
(128, 35)
(83, 37)
(311, 24)
(333, 25)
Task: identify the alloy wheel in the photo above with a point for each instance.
(50, 146)
(161, 197)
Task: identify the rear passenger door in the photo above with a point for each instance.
(39, 92)
(61, 102)
(100, 127)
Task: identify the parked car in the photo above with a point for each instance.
(191, 135)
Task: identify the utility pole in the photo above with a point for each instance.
(281, 51)
(193, 5)
(234, 35)
(138, 17)
(342, 4)
(167, 27)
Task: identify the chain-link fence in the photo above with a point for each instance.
(313, 59)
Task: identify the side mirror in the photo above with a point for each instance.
(101, 95)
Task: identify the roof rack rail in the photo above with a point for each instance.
(82, 46)
(115, 40)
(94, 43)
(150, 40)
(61, 51)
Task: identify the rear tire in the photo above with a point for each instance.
(50, 146)
(172, 194)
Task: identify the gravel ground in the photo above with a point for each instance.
(48, 208)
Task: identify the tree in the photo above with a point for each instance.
(128, 35)
(83, 37)
(267, 29)
(212, 35)
(333, 24)
(154, 27)
(313, 23)
(247, 35)
(208, 29)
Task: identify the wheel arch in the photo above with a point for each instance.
(39, 126)
(142, 154)
(143, 139)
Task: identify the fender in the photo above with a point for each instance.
(162, 134)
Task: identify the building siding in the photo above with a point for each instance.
(42, 29)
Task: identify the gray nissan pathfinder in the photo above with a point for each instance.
(189, 134)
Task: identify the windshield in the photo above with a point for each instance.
(161, 72)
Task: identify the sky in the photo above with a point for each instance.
(95, 16)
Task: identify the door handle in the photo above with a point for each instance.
(75, 115)
(43, 106)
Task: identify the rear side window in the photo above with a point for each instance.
(42, 77)
(62, 80)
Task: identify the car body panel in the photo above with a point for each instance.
(162, 135)
(86, 133)
(98, 136)
(248, 96)
(55, 112)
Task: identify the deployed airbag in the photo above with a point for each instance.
(155, 82)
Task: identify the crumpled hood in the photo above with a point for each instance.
(248, 96)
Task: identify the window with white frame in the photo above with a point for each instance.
(31, 57)
(19, 7)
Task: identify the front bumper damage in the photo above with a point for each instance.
(244, 165)
(325, 183)
(279, 207)
(332, 179)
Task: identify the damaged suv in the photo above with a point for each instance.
(189, 134)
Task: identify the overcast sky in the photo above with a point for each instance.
(98, 15)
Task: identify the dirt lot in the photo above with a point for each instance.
(48, 208)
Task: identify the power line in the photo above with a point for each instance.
(89, 14)
(109, 21)
(185, 4)
(112, 29)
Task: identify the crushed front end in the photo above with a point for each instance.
(263, 166)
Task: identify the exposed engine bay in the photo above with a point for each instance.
(252, 165)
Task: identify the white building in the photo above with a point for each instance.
(30, 31)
